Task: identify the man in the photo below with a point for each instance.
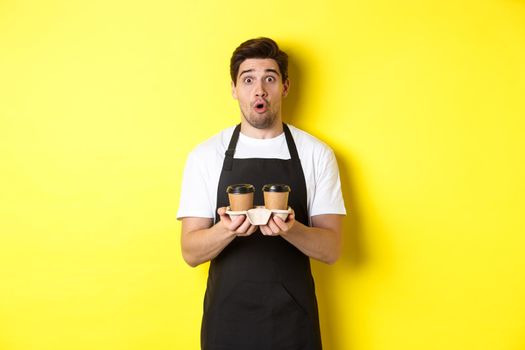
(260, 292)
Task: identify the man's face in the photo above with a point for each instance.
(260, 90)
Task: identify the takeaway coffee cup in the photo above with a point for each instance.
(276, 196)
(240, 196)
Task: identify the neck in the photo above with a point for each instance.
(272, 131)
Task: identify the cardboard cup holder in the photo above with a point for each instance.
(259, 215)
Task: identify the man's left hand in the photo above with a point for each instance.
(278, 227)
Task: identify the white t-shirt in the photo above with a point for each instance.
(204, 165)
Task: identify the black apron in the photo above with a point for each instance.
(260, 292)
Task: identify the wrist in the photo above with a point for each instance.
(224, 231)
(291, 229)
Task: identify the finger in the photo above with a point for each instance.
(265, 230)
(221, 211)
(273, 227)
(226, 220)
(251, 230)
(236, 222)
(223, 216)
(280, 223)
(243, 228)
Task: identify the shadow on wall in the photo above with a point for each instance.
(353, 256)
(292, 101)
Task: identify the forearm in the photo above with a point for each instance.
(203, 245)
(202, 241)
(318, 243)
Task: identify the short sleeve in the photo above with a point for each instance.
(194, 198)
(327, 197)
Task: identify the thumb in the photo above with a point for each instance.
(221, 211)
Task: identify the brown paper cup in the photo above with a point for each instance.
(240, 196)
(276, 196)
(240, 202)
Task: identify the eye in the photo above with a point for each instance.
(270, 79)
(248, 80)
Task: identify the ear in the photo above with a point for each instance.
(286, 87)
(234, 91)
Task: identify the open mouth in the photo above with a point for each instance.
(260, 107)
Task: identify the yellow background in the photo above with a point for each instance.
(422, 101)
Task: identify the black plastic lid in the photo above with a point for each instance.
(276, 188)
(240, 189)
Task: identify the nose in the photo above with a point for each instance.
(260, 91)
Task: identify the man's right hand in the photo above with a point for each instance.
(202, 241)
(240, 225)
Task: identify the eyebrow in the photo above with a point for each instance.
(266, 70)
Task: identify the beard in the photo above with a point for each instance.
(260, 121)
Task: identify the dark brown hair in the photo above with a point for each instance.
(258, 48)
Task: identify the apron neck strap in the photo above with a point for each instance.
(228, 155)
(230, 152)
(291, 144)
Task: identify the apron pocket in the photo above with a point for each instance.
(261, 315)
(291, 326)
(242, 318)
